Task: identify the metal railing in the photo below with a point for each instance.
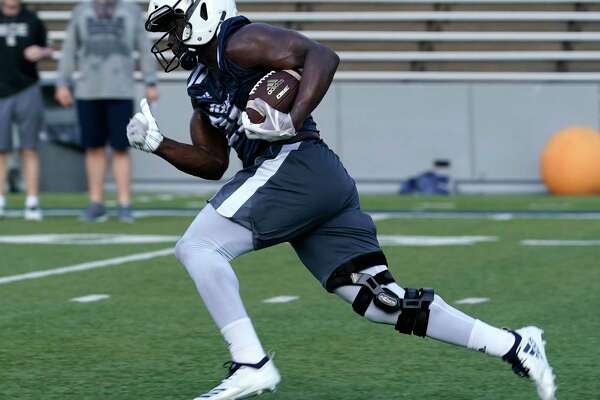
(442, 36)
(396, 16)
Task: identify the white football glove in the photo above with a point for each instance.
(142, 130)
(276, 126)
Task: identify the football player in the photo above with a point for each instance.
(292, 188)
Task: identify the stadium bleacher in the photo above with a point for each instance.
(425, 39)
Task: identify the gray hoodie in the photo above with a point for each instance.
(103, 49)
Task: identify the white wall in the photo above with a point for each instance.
(386, 131)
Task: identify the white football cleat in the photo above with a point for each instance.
(245, 380)
(33, 214)
(528, 359)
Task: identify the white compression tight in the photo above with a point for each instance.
(212, 241)
(206, 249)
(446, 323)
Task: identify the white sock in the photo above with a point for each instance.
(31, 202)
(2, 202)
(490, 340)
(243, 342)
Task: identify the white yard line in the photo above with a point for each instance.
(86, 239)
(494, 215)
(535, 242)
(502, 217)
(473, 300)
(376, 215)
(435, 206)
(90, 298)
(280, 299)
(403, 240)
(87, 266)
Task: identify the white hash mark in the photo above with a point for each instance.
(534, 242)
(473, 300)
(90, 298)
(89, 265)
(280, 299)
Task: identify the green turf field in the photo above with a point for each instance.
(153, 339)
(371, 202)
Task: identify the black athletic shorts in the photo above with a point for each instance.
(104, 121)
(300, 193)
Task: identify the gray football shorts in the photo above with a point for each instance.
(300, 193)
(26, 110)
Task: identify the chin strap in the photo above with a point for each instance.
(189, 60)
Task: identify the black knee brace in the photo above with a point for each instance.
(415, 311)
(414, 308)
(348, 274)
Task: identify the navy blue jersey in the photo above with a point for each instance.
(216, 93)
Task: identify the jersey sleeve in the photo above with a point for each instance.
(40, 35)
(203, 91)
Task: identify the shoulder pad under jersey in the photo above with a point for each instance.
(202, 88)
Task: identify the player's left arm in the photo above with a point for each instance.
(269, 47)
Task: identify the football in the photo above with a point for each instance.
(278, 89)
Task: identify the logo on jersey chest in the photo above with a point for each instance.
(220, 109)
(12, 31)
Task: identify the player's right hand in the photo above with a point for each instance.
(142, 130)
(63, 96)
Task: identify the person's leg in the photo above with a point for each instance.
(32, 173)
(6, 118)
(348, 242)
(344, 255)
(30, 119)
(3, 163)
(445, 323)
(94, 135)
(206, 249)
(95, 167)
(121, 168)
(119, 112)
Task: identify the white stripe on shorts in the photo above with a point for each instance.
(266, 170)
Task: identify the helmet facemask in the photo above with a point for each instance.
(171, 21)
(196, 26)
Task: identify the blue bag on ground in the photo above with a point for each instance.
(426, 183)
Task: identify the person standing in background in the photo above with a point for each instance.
(101, 39)
(22, 44)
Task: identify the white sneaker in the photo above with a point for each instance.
(528, 359)
(33, 214)
(245, 380)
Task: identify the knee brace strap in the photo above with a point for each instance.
(372, 290)
(371, 286)
(341, 276)
(415, 311)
